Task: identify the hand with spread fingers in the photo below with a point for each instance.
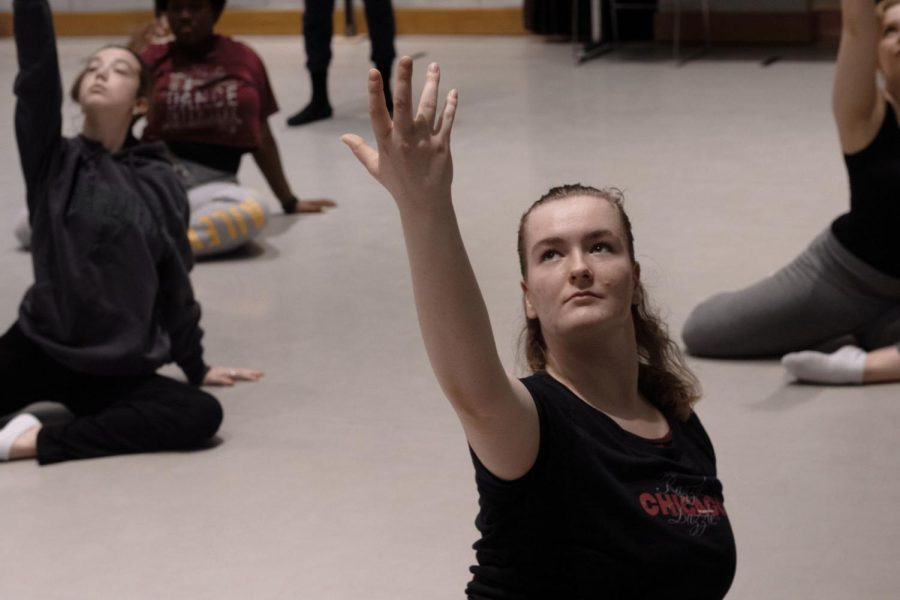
(226, 376)
(412, 160)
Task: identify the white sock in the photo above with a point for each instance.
(13, 430)
(846, 365)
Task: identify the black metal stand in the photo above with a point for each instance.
(349, 21)
(595, 46)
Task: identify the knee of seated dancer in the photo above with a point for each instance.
(200, 417)
(209, 414)
(730, 325)
(704, 334)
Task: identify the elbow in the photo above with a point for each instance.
(461, 398)
(472, 403)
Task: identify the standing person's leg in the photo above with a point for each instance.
(127, 415)
(815, 299)
(317, 31)
(224, 216)
(382, 31)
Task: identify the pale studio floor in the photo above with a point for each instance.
(344, 474)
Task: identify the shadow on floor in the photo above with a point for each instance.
(789, 397)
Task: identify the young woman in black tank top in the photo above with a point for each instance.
(596, 479)
(845, 288)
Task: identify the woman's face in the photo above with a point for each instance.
(579, 276)
(110, 82)
(191, 21)
(889, 45)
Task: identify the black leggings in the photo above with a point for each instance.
(318, 25)
(113, 415)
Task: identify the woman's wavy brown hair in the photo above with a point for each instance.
(663, 377)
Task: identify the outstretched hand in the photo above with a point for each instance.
(226, 376)
(412, 160)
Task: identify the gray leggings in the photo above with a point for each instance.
(822, 296)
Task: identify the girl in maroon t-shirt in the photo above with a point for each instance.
(211, 103)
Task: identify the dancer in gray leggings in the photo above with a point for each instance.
(846, 284)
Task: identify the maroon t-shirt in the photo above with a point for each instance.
(220, 98)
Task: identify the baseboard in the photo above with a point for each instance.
(482, 21)
(781, 28)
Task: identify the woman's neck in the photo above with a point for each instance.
(110, 132)
(606, 378)
(604, 373)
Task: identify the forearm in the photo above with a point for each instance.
(187, 349)
(858, 18)
(268, 159)
(855, 91)
(452, 315)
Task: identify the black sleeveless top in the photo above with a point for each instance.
(871, 230)
(603, 513)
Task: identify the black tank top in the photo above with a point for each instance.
(603, 513)
(871, 230)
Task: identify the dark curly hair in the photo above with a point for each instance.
(663, 377)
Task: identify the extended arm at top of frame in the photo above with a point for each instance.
(856, 101)
(38, 90)
(413, 162)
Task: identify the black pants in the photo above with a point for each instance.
(317, 31)
(113, 415)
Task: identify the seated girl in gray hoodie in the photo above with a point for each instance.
(111, 300)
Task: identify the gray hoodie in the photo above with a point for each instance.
(111, 293)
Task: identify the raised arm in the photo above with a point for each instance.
(413, 163)
(38, 90)
(856, 100)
